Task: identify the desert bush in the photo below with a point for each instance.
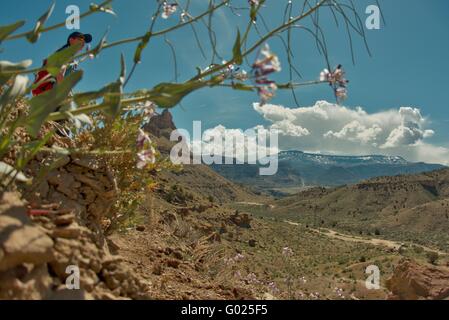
(432, 257)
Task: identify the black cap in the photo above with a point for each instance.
(87, 37)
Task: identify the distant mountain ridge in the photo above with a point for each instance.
(300, 169)
(341, 160)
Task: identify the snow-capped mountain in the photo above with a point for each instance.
(298, 169)
(294, 155)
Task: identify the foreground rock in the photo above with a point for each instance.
(411, 281)
(42, 247)
(20, 242)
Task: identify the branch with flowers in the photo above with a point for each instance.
(219, 73)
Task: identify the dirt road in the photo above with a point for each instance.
(377, 242)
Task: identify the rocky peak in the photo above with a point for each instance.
(161, 125)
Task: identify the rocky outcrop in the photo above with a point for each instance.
(161, 125)
(411, 281)
(243, 220)
(62, 228)
(20, 242)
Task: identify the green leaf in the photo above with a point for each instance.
(34, 35)
(5, 31)
(10, 173)
(6, 66)
(237, 50)
(58, 59)
(85, 97)
(142, 45)
(168, 95)
(105, 9)
(113, 98)
(101, 44)
(18, 88)
(41, 106)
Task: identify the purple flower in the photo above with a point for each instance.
(145, 150)
(337, 80)
(265, 64)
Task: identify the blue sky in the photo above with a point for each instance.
(409, 66)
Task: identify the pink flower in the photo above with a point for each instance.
(266, 93)
(168, 9)
(265, 64)
(145, 151)
(341, 93)
(251, 278)
(337, 81)
(273, 288)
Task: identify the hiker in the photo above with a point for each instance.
(44, 80)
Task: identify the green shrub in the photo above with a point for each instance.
(432, 257)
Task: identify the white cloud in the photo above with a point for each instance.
(287, 128)
(236, 143)
(356, 132)
(330, 128)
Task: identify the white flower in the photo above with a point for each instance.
(185, 16)
(253, 3)
(241, 75)
(286, 251)
(341, 93)
(267, 62)
(168, 9)
(325, 75)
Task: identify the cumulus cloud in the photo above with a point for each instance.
(334, 129)
(235, 143)
(331, 128)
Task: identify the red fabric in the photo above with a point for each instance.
(44, 86)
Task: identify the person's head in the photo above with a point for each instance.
(78, 37)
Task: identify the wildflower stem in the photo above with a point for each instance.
(129, 40)
(59, 25)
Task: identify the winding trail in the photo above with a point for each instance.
(373, 241)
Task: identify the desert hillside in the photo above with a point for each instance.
(407, 207)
